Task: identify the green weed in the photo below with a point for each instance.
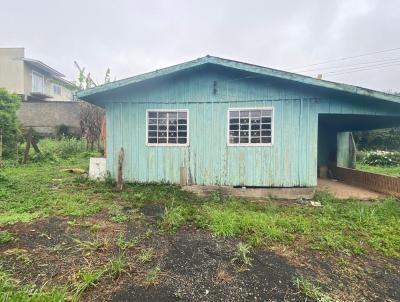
(124, 244)
(116, 266)
(10, 292)
(311, 291)
(5, 237)
(152, 276)
(146, 255)
(242, 254)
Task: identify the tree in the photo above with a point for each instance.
(90, 116)
(90, 122)
(9, 125)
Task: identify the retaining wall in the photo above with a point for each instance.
(376, 182)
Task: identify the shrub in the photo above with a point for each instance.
(9, 126)
(381, 158)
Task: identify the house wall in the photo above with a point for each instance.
(66, 93)
(290, 161)
(12, 69)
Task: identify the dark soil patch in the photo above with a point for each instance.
(193, 264)
(152, 210)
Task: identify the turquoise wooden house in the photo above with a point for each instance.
(213, 121)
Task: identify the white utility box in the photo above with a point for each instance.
(97, 168)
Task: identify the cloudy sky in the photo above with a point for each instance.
(132, 37)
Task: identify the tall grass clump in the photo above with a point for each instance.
(63, 148)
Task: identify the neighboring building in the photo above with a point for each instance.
(48, 100)
(32, 79)
(214, 121)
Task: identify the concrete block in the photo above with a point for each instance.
(97, 168)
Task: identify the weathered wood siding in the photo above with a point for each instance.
(290, 161)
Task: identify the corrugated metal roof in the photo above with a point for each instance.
(262, 71)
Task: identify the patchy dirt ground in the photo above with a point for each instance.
(189, 265)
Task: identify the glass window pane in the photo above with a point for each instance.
(162, 134)
(266, 126)
(244, 113)
(162, 140)
(162, 121)
(266, 133)
(172, 128)
(233, 127)
(266, 112)
(234, 114)
(162, 128)
(244, 133)
(182, 127)
(255, 120)
(255, 133)
(266, 120)
(244, 120)
(234, 133)
(182, 134)
(152, 114)
(172, 140)
(244, 127)
(182, 140)
(234, 120)
(244, 140)
(182, 115)
(152, 121)
(265, 140)
(172, 115)
(234, 140)
(182, 122)
(152, 140)
(255, 140)
(256, 113)
(152, 133)
(171, 134)
(255, 126)
(152, 127)
(162, 114)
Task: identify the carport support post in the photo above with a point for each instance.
(346, 150)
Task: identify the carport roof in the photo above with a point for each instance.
(262, 71)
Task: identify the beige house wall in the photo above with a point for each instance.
(12, 69)
(49, 82)
(16, 76)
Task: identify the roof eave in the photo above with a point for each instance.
(265, 71)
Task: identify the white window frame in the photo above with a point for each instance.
(167, 144)
(57, 85)
(41, 76)
(251, 144)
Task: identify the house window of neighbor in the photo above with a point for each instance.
(167, 127)
(56, 89)
(37, 82)
(252, 127)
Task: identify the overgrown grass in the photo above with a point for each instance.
(11, 293)
(390, 171)
(344, 226)
(36, 190)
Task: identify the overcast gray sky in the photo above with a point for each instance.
(133, 37)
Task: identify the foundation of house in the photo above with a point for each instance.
(253, 193)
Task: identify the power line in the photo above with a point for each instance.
(346, 58)
(363, 69)
(346, 66)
